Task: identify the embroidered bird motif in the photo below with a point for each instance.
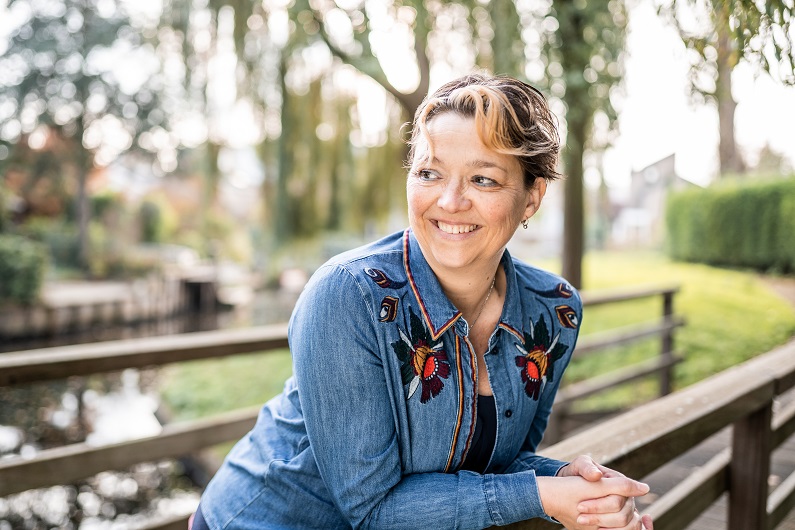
(539, 354)
(382, 280)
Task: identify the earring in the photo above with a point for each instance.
(524, 224)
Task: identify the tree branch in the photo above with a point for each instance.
(369, 65)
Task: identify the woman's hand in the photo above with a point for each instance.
(615, 510)
(562, 498)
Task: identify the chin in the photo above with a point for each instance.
(451, 260)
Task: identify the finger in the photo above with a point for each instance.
(585, 467)
(623, 520)
(647, 522)
(625, 486)
(607, 504)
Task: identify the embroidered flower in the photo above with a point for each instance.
(424, 362)
(539, 354)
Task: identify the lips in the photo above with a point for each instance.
(455, 229)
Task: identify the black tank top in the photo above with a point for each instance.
(485, 434)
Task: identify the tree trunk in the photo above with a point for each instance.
(506, 31)
(282, 205)
(212, 178)
(83, 166)
(731, 161)
(574, 204)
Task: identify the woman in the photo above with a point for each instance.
(426, 363)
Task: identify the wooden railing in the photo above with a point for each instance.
(643, 439)
(78, 461)
(564, 419)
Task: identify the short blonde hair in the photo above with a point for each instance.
(511, 118)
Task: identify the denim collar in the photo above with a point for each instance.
(437, 310)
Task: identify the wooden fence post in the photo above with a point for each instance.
(749, 470)
(667, 345)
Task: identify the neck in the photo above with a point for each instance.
(467, 291)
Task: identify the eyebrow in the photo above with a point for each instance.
(478, 164)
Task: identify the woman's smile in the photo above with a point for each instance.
(454, 228)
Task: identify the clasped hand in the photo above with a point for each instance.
(587, 496)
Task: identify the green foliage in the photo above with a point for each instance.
(760, 27)
(60, 238)
(110, 257)
(105, 204)
(151, 222)
(5, 222)
(158, 220)
(22, 266)
(738, 224)
(49, 79)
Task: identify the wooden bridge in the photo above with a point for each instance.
(746, 399)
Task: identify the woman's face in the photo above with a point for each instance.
(466, 203)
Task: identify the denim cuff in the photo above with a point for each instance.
(548, 467)
(515, 497)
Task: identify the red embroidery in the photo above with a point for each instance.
(424, 362)
(539, 354)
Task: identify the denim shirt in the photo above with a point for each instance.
(372, 428)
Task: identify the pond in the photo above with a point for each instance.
(103, 409)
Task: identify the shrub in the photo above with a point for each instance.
(158, 219)
(22, 266)
(104, 203)
(749, 224)
(151, 222)
(4, 214)
(61, 239)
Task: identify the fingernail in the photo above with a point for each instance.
(582, 520)
(644, 488)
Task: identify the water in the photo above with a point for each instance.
(104, 409)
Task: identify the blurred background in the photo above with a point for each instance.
(171, 166)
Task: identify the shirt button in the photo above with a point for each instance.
(508, 413)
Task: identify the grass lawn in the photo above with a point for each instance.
(731, 317)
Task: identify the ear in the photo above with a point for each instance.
(534, 197)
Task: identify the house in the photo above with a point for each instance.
(640, 217)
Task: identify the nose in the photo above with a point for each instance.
(453, 197)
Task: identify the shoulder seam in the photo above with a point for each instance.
(359, 287)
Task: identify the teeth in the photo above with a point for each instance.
(455, 229)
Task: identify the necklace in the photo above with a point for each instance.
(483, 305)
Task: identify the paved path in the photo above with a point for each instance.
(783, 461)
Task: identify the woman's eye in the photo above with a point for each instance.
(484, 181)
(425, 175)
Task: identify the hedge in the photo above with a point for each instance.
(22, 266)
(749, 224)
